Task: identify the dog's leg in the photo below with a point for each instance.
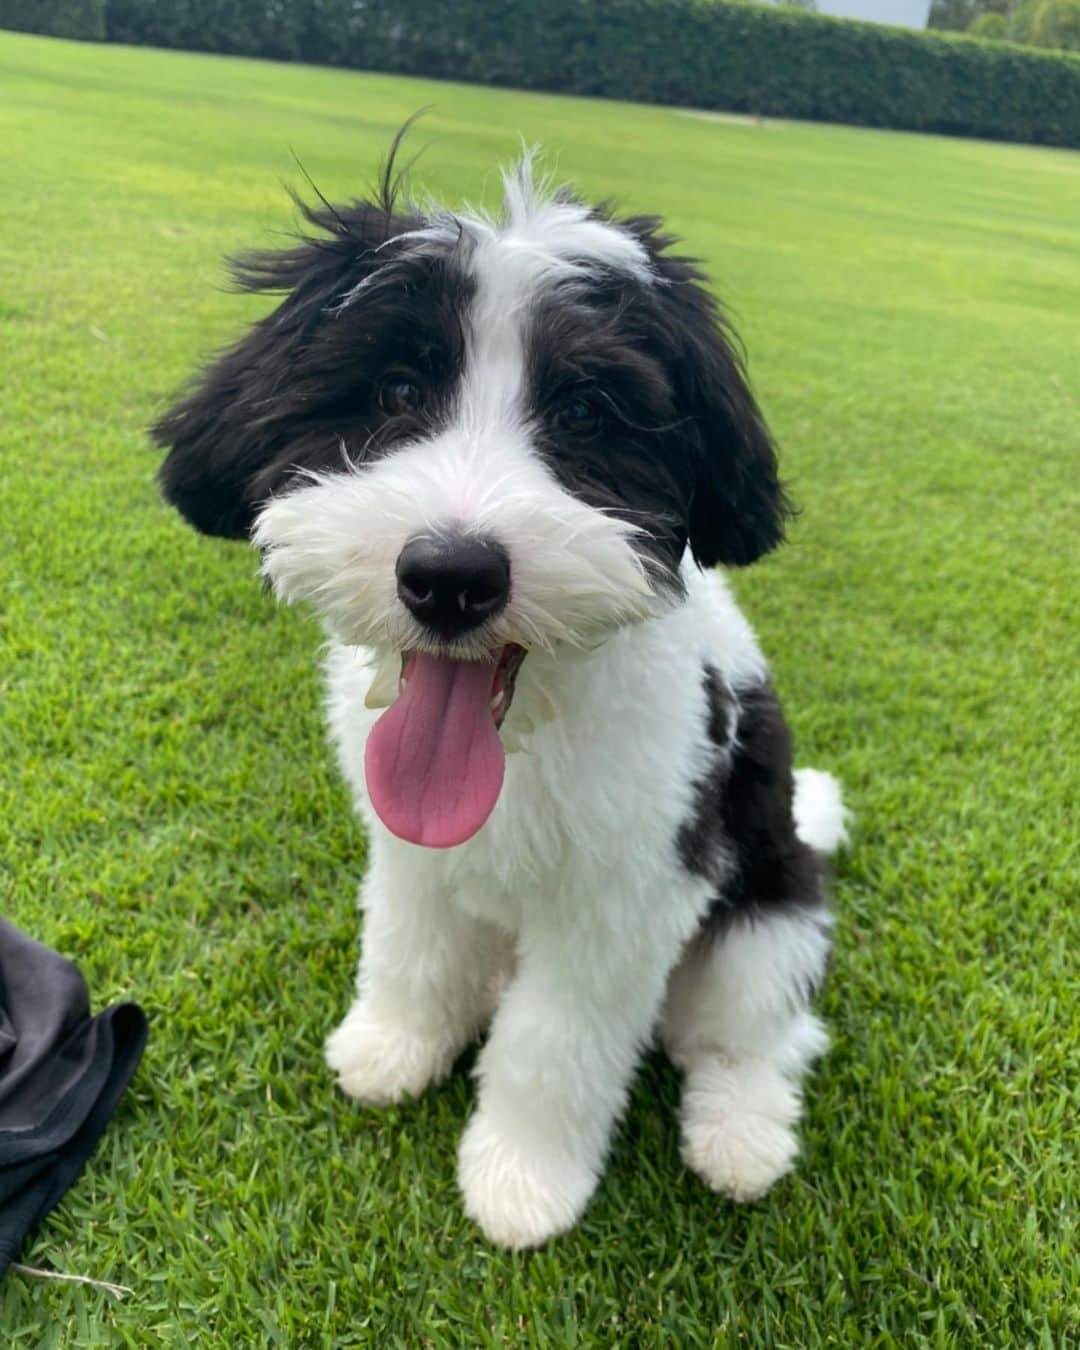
(556, 1068)
(423, 986)
(737, 1022)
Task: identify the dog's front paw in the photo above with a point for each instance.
(518, 1195)
(738, 1129)
(378, 1062)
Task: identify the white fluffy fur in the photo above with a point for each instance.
(577, 868)
(736, 1023)
(820, 815)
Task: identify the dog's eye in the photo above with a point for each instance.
(579, 416)
(399, 397)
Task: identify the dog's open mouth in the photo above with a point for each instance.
(434, 761)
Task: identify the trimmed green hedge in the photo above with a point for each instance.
(56, 18)
(697, 53)
(276, 29)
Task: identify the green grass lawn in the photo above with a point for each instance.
(170, 817)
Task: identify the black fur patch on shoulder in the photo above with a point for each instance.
(704, 848)
(722, 711)
(742, 833)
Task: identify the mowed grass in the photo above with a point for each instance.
(170, 817)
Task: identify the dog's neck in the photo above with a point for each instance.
(576, 689)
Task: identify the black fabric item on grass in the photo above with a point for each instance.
(61, 1074)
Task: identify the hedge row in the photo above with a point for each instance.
(319, 31)
(58, 18)
(699, 53)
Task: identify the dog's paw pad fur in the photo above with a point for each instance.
(378, 1063)
(518, 1198)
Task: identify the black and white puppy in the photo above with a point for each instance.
(502, 457)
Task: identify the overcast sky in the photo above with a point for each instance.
(913, 13)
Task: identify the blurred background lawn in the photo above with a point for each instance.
(169, 815)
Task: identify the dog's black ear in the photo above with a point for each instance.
(240, 430)
(738, 508)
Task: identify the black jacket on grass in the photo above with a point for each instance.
(61, 1074)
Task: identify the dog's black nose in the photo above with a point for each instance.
(453, 584)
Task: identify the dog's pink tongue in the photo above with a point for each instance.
(434, 761)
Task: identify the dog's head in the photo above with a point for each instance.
(464, 438)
